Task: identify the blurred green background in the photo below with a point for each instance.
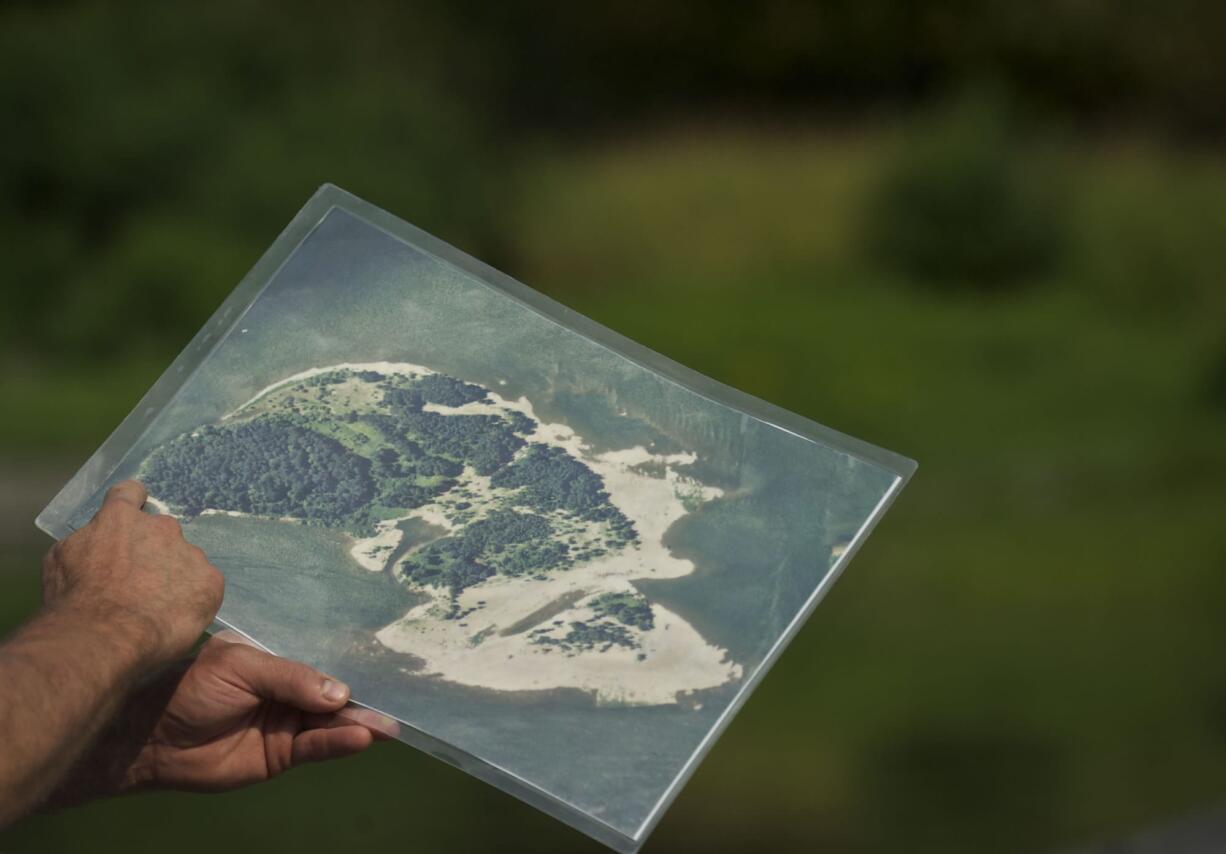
(989, 235)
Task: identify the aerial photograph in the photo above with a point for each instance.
(514, 539)
(523, 554)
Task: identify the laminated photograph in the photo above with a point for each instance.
(560, 560)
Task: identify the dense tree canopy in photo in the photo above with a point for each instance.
(268, 467)
(306, 451)
(553, 479)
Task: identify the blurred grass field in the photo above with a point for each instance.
(1026, 653)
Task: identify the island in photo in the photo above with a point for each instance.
(523, 542)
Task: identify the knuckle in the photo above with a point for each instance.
(293, 676)
(168, 524)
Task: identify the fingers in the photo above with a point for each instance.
(282, 680)
(381, 726)
(126, 492)
(318, 745)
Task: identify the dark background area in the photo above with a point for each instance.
(987, 235)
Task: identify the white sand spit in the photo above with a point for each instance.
(670, 659)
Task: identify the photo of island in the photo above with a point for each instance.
(542, 555)
(525, 550)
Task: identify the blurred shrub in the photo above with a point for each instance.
(1149, 230)
(964, 206)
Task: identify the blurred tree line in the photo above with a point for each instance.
(152, 151)
(1088, 60)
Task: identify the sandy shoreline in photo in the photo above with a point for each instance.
(676, 658)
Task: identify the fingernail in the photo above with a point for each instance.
(333, 690)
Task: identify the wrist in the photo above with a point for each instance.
(134, 736)
(131, 639)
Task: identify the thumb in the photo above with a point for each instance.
(289, 682)
(126, 492)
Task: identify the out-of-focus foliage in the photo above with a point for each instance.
(151, 150)
(1096, 62)
(1150, 232)
(964, 205)
(151, 153)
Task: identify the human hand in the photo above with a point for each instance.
(137, 574)
(238, 715)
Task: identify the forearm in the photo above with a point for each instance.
(65, 674)
(118, 760)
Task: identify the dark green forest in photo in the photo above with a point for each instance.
(987, 236)
(299, 452)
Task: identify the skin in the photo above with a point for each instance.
(98, 699)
